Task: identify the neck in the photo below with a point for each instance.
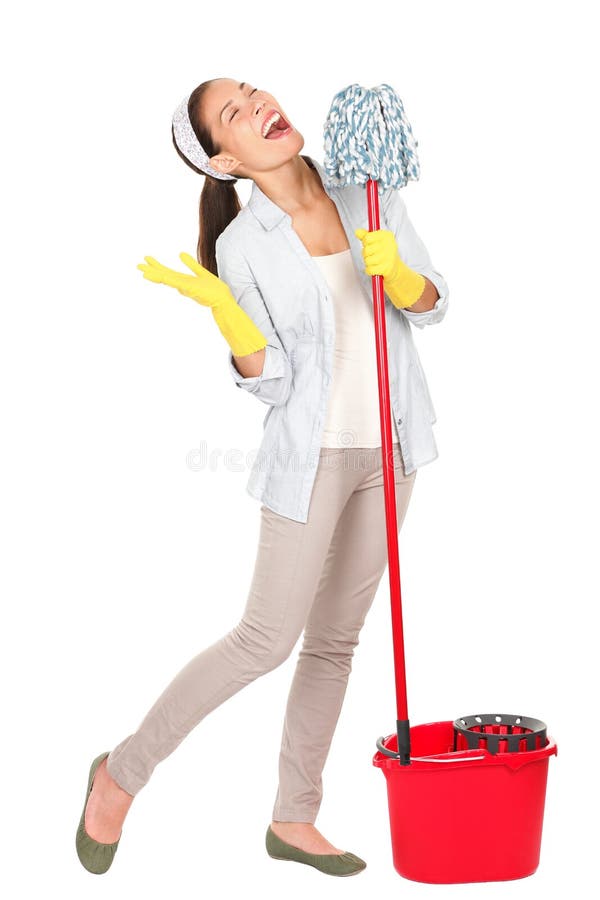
(294, 187)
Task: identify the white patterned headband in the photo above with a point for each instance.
(188, 143)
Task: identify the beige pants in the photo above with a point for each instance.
(321, 577)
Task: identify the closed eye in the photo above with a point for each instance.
(250, 94)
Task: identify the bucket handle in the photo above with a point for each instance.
(387, 752)
(453, 760)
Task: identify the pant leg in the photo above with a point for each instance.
(288, 565)
(355, 563)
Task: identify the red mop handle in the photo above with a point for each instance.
(403, 728)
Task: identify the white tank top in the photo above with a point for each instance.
(353, 412)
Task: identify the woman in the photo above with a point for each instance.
(288, 280)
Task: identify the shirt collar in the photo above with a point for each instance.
(266, 211)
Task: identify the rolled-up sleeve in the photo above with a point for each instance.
(273, 384)
(414, 253)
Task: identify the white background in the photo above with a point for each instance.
(121, 562)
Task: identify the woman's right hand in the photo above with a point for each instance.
(202, 286)
(236, 326)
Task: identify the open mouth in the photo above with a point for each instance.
(276, 127)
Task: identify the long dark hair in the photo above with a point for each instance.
(219, 200)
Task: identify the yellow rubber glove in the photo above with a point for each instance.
(402, 284)
(236, 326)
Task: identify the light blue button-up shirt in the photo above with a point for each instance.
(280, 286)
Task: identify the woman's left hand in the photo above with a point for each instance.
(402, 284)
(379, 250)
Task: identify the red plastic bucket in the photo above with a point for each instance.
(465, 815)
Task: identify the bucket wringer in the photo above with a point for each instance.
(465, 797)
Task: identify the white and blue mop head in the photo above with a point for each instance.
(367, 135)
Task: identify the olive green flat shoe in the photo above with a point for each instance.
(330, 863)
(93, 855)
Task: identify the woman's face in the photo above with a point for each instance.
(236, 115)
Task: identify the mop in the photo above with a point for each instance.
(368, 139)
(473, 760)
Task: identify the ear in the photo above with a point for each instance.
(223, 163)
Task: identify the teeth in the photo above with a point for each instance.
(272, 118)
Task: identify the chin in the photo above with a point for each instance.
(295, 143)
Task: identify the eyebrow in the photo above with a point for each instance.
(241, 87)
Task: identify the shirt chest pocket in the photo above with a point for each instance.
(293, 305)
(303, 359)
(297, 335)
(302, 328)
(303, 348)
